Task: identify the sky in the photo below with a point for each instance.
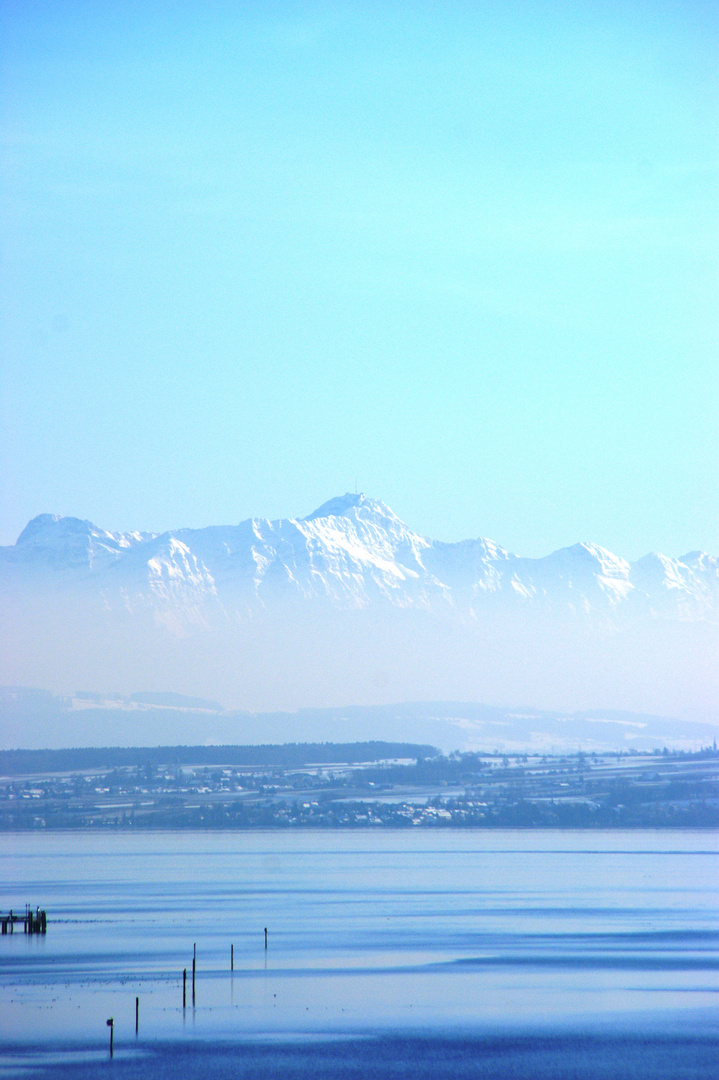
(462, 256)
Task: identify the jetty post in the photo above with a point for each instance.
(232, 957)
(265, 937)
(137, 1014)
(111, 1025)
(184, 988)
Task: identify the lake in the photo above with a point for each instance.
(401, 954)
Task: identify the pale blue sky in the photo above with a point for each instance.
(462, 253)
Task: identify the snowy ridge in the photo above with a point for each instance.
(352, 553)
(69, 542)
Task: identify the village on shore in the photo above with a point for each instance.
(357, 785)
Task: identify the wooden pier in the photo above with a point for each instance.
(33, 922)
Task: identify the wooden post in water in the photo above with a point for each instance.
(184, 988)
(137, 1014)
(111, 1025)
(265, 937)
(193, 980)
(232, 957)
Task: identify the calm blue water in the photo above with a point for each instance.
(508, 953)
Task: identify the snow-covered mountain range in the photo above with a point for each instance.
(352, 553)
(350, 606)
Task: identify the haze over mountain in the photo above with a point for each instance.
(350, 605)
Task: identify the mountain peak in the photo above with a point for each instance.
(48, 527)
(359, 508)
(338, 506)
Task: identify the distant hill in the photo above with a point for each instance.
(37, 720)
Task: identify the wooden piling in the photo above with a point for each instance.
(137, 1014)
(232, 957)
(111, 1025)
(265, 937)
(193, 980)
(184, 988)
